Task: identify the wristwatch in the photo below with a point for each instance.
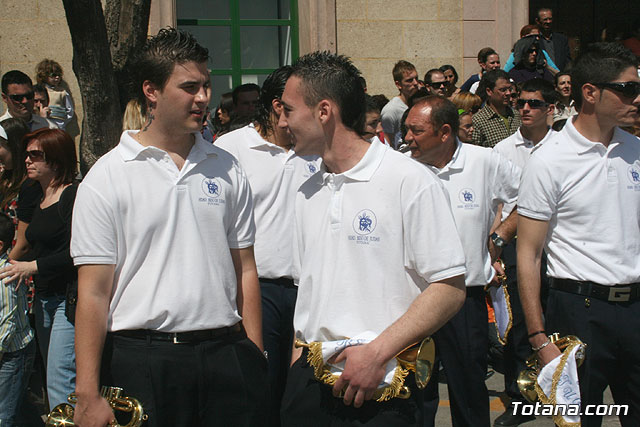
(498, 241)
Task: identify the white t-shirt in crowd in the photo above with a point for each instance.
(168, 232)
(275, 175)
(478, 180)
(391, 117)
(590, 195)
(368, 241)
(517, 149)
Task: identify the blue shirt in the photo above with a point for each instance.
(15, 331)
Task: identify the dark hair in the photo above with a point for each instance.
(400, 68)
(430, 73)
(272, 88)
(226, 105)
(380, 100)
(448, 67)
(12, 178)
(527, 29)
(547, 90)
(485, 53)
(556, 78)
(542, 9)
(42, 90)
(490, 78)
(247, 87)
(226, 102)
(59, 153)
(45, 68)
(7, 232)
(161, 53)
(443, 112)
(370, 104)
(327, 75)
(600, 63)
(420, 94)
(14, 77)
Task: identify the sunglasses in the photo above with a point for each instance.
(533, 103)
(627, 89)
(18, 97)
(36, 155)
(437, 85)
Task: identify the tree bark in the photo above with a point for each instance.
(104, 82)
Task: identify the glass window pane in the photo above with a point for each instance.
(202, 9)
(217, 40)
(264, 9)
(219, 85)
(254, 78)
(264, 47)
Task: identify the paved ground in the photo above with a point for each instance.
(497, 402)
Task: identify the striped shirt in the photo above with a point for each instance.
(15, 331)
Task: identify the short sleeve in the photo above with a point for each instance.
(537, 197)
(242, 229)
(433, 248)
(93, 230)
(28, 198)
(506, 179)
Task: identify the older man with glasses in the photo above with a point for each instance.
(17, 93)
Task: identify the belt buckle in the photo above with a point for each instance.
(617, 294)
(175, 338)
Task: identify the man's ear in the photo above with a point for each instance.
(446, 132)
(398, 84)
(150, 90)
(325, 110)
(590, 93)
(277, 107)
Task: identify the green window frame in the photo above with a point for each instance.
(235, 23)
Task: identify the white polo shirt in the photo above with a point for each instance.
(368, 241)
(167, 231)
(517, 149)
(275, 175)
(478, 180)
(590, 195)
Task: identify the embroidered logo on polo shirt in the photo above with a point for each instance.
(364, 223)
(212, 188)
(312, 168)
(633, 173)
(468, 198)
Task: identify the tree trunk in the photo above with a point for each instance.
(127, 23)
(92, 65)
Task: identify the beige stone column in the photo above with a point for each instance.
(163, 14)
(317, 25)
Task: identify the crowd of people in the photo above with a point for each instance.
(281, 259)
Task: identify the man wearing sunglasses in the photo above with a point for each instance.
(535, 106)
(17, 93)
(436, 82)
(580, 200)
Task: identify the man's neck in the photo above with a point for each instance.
(177, 145)
(593, 128)
(442, 158)
(546, 34)
(344, 150)
(534, 134)
(404, 98)
(274, 136)
(500, 109)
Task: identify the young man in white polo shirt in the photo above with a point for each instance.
(535, 105)
(580, 201)
(162, 234)
(275, 173)
(478, 181)
(375, 251)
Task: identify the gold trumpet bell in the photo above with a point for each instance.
(62, 415)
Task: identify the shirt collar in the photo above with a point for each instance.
(521, 140)
(130, 149)
(491, 113)
(456, 163)
(583, 145)
(365, 168)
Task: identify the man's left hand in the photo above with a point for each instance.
(361, 376)
(494, 251)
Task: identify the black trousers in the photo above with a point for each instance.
(278, 304)
(461, 347)
(611, 332)
(216, 382)
(307, 402)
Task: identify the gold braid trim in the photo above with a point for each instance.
(323, 373)
(551, 400)
(507, 299)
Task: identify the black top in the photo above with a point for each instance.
(49, 235)
(28, 198)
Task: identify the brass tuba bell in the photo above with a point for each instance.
(62, 415)
(528, 377)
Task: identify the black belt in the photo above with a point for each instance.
(190, 337)
(617, 293)
(280, 281)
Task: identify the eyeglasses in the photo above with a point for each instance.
(627, 89)
(438, 85)
(18, 97)
(36, 155)
(533, 103)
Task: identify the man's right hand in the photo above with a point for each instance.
(93, 411)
